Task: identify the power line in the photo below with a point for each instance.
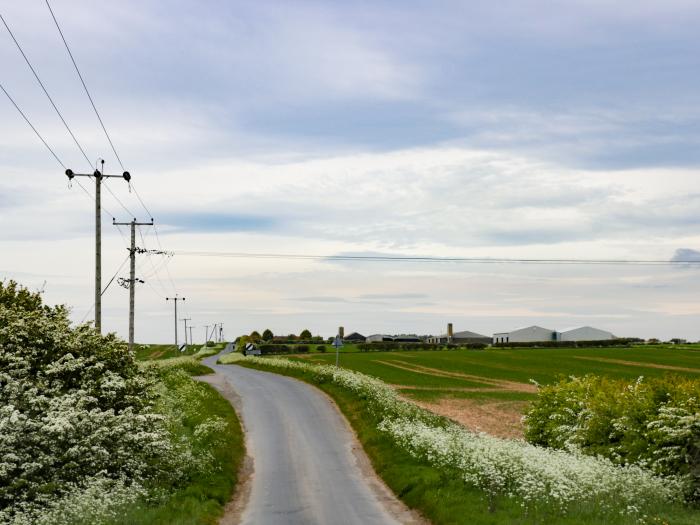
(32, 126)
(36, 76)
(46, 144)
(435, 259)
(105, 288)
(141, 201)
(127, 210)
(87, 92)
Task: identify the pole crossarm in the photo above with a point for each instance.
(98, 175)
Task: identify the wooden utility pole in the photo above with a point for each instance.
(175, 300)
(185, 319)
(132, 273)
(98, 233)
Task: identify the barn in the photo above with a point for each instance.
(584, 333)
(530, 334)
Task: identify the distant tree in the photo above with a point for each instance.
(305, 335)
(268, 335)
(255, 336)
(291, 337)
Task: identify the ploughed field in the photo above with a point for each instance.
(490, 389)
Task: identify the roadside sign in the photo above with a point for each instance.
(337, 343)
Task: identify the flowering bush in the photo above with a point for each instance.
(654, 423)
(537, 477)
(84, 430)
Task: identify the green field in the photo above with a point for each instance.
(452, 382)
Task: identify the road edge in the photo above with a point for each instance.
(234, 509)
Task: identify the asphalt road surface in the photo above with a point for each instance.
(305, 470)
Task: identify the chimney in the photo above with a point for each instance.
(341, 332)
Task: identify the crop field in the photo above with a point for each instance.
(490, 389)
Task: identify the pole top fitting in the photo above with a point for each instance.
(69, 173)
(97, 174)
(127, 176)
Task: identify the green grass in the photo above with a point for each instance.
(519, 365)
(156, 352)
(203, 498)
(441, 496)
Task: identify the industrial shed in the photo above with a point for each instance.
(355, 338)
(463, 337)
(584, 333)
(530, 334)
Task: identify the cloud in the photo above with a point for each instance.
(686, 254)
(320, 299)
(392, 296)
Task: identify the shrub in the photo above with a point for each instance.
(653, 423)
(321, 348)
(624, 342)
(389, 346)
(273, 349)
(300, 348)
(75, 408)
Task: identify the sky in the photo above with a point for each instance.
(519, 129)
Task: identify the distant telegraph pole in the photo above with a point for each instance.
(132, 273)
(206, 333)
(175, 300)
(184, 320)
(98, 233)
(191, 340)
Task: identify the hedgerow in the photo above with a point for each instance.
(651, 422)
(86, 432)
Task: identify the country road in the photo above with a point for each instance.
(306, 466)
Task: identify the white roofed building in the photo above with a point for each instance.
(584, 333)
(530, 334)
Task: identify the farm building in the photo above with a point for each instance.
(530, 334)
(378, 338)
(462, 337)
(584, 333)
(355, 338)
(383, 338)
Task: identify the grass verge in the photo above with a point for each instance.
(192, 406)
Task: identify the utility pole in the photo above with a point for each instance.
(99, 175)
(132, 273)
(221, 332)
(191, 340)
(185, 319)
(206, 333)
(175, 300)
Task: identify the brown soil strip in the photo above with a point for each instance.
(511, 386)
(498, 418)
(235, 507)
(639, 363)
